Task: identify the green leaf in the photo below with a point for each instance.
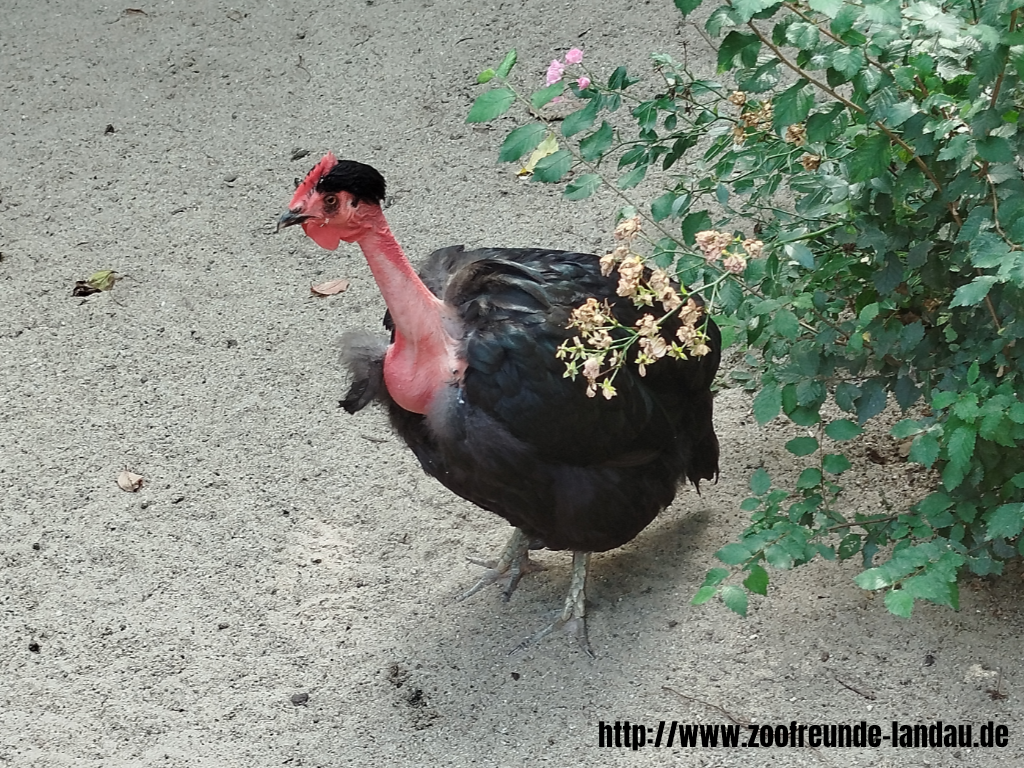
(735, 45)
(760, 482)
(733, 554)
(800, 253)
(522, 140)
(842, 429)
(899, 603)
(872, 578)
(871, 159)
(828, 7)
(583, 187)
(687, 7)
(596, 144)
(553, 167)
(767, 403)
(779, 557)
(507, 63)
(809, 478)
(1006, 521)
(786, 324)
(961, 444)
(974, 292)
(703, 595)
(715, 577)
(757, 581)
(539, 98)
(491, 104)
(849, 61)
(485, 77)
(793, 104)
(802, 446)
(905, 428)
(581, 119)
(871, 401)
(924, 449)
(634, 177)
(735, 599)
(835, 463)
(995, 149)
(694, 222)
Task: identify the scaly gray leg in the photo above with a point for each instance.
(512, 564)
(574, 614)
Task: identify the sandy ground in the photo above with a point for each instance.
(282, 590)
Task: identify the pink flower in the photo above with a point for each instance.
(555, 71)
(574, 56)
(583, 82)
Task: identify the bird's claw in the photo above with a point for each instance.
(574, 615)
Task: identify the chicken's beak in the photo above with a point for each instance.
(289, 218)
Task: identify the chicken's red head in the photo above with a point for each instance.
(332, 200)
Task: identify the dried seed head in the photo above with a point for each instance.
(796, 134)
(627, 229)
(739, 98)
(810, 162)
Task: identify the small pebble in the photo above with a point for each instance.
(298, 699)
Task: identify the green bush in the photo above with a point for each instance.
(872, 153)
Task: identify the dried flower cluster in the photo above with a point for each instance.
(716, 245)
(796, 134)
(810, 162)
(758, 119)
(600, 350)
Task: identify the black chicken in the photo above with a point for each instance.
(472, 384)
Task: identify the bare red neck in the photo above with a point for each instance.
(423, 358)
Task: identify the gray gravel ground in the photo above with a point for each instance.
(281, 591)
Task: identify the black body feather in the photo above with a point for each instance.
(520, 439)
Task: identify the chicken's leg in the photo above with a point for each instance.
(512, 564)
(574, 614)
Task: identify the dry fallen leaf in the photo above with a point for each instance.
(547, 147)
(129, 481)
(330, 288)
(98, 281)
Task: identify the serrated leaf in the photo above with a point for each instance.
(735, 599)
(686, 7)
(733, 554)
(974, 292)
(809, 478)
(802, 446)
(634, 177)
(553, 167)
(835, 463)
(793, 104)
(925, 449)
(485, 77)
(583, 187)
(961, 444)
(786, 324)
(757, 581)
(849, 61)
(760, 482)
(596, 144)
(899, 603)
(828, 7)
(742, 45)
(507, 63)
(871, 401)
(523, 139)
(842, 429)
(490, 105)
(871, 159)
(800, 253)
(905, 428)
(703, 595)
(777, 556)
(581, 119)
(995, 149)
(872, 578)
(1006, 521)
(767, 403)
(715, 577)
(541, 97)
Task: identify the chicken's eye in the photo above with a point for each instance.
(331, 201)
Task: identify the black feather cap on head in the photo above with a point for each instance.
(331, 176)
